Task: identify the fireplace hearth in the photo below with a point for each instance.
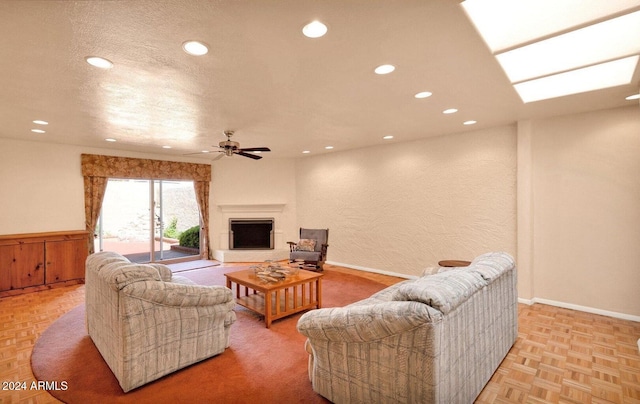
(251, 234)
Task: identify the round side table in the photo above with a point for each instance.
(454, 263)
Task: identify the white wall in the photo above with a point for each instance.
(41, 185)
(586, 209)
(41, 188)
(243, 188)
(402, 207)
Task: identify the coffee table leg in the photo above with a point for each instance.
(267, 308)
(319, 291)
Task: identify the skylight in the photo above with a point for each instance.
(596, 45)
(604, 75)
(504, 24)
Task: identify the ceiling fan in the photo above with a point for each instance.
(229, 148)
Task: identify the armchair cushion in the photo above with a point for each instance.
(176, 294)
(306, 244)
(444, 291)
(118, 274)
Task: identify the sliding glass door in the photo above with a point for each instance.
(150, 220)
(176, 220)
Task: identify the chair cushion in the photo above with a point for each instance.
(305, 255)
(306, 244)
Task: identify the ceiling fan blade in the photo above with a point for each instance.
(252, 156)
(218, 157)
(252, 149)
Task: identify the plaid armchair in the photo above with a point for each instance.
(147, 323)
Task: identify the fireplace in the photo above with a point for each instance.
(251, 234)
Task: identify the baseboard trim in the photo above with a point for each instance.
(577, 307)
(586, 309)
(373, 270)
(528, 302)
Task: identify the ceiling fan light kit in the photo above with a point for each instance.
(229, 148)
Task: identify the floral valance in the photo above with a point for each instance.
(95, 165)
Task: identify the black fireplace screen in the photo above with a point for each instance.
(251, 234)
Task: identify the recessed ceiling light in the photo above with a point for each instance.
(605, 75)
(37, 131)
(387, 137)
(328, 147)
(450, 111)
(206, 151)
(314, 29)
(96, 61)
(39, 122)
(423, 94)
(166, 147)
(384, 69)
(306, 152)
(633, 97)
(195, 48)
(469, 122)
(110, 139)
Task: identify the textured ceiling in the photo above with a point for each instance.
(261, 77)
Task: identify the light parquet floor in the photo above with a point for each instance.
(560, 356)
(568, 356)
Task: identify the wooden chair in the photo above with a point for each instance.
(312, 247)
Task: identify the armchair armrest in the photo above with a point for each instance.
(163, 270)
(292, 245)
(365, 323)
(323, 249)
(174, 294)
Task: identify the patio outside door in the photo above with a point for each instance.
(144, 219)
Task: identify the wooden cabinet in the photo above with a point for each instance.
(64, 260)
(36, 261)
(22, 265)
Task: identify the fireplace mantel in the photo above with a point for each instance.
(251, 207)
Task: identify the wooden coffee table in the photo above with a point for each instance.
(276, 300)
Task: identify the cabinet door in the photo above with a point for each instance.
(21, 265)
(6, 266)
(65, 259)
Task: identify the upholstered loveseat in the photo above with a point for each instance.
(147, 322)
(435, 339)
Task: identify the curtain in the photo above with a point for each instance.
(202, 196)
(97, 169)
(94, 189)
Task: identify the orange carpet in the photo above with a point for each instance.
(260, 366)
